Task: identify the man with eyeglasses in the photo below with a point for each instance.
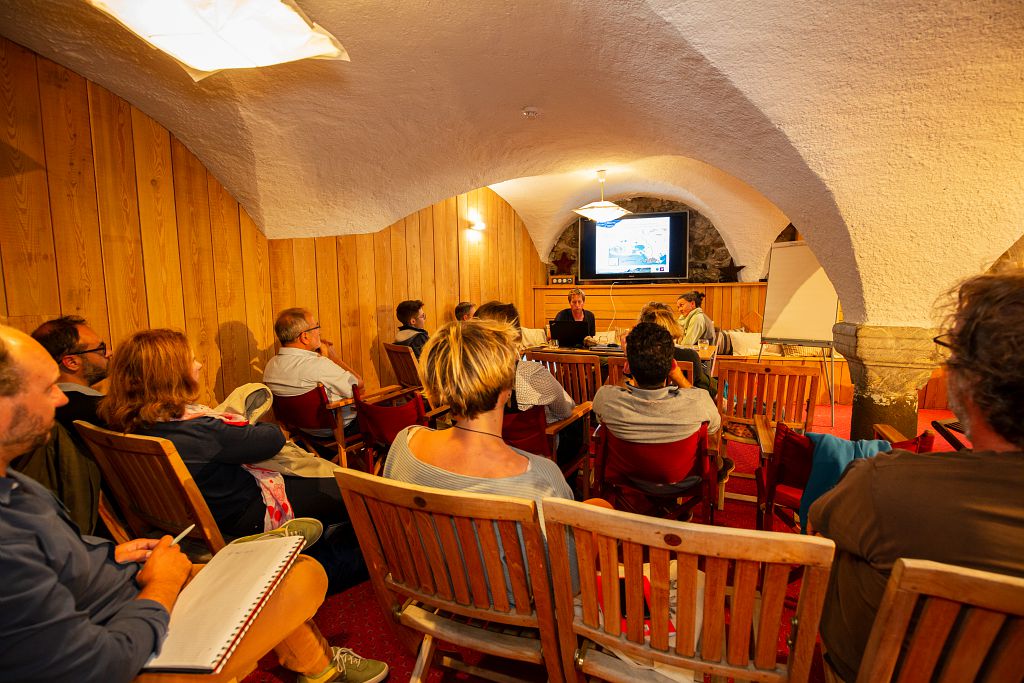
(305, 359)
(965, 507)
(81, 358)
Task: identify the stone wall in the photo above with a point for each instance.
(708, 252)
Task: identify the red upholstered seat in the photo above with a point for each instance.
(661, 473)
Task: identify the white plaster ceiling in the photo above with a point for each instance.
(890, 134)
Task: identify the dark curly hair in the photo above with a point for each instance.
(985, 337)
(650, 351)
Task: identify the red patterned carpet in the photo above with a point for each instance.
(354, 619)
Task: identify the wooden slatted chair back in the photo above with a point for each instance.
(439, 559)
(617, 366)
(938, 622)
(716, 571)
(403, 362)
(579, 374)
(783, 394)
(153, 489)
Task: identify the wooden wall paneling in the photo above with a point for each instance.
(466, 251)
(387, 324)
(369, 352)
(282, 278)
(118, 208)
(3, 290)
(327, 294)
(520, 266)
(490, 277)
(233, 333)
(446, 256)
(259, 315)
(506, 250)
(306, 275)
(195, 249)
(157, 222)
(64, 110)
(421, 260)
(398, 269)
(25, 228)
(348, 285)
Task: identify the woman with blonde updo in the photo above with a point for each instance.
(471, 367)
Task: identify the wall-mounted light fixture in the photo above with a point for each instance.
(476, 222)
(206, 36)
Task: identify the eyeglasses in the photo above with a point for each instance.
(310, 329)
(944, 340)
(101, 349)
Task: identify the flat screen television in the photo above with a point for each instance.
(645, 246)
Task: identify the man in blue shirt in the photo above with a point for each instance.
(80, 608)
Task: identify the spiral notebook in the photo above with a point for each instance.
(220, 603)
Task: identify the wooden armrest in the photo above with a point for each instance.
(765, 435)
(437, 412)
(577, 412)
(888, 432)
(382, 394)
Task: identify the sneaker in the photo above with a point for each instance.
(307, 527)
(349, 667)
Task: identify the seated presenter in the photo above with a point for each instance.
(577, 312)
(78, 608)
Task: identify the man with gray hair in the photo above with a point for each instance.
(963, 508)
(305, 359)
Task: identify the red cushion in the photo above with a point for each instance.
(793, 456)
(922, 443)
(788, 496)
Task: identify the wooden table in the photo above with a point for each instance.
(705, 354)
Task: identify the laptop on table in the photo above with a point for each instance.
(569, 333)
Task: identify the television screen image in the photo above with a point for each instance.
(637, 246)
(642, 247)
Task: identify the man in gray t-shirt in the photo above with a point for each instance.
(652, 412)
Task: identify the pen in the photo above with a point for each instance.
(182, 535)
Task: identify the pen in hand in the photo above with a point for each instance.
(182, 535)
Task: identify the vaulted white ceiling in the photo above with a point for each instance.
(890, 134)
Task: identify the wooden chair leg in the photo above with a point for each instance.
(421, 670)
(723, 450)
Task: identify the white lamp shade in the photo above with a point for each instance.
(601, 212)
(206, 36)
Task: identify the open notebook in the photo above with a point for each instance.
(218, 605)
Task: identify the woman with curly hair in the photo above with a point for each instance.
(153, 388)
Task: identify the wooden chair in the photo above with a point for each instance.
(617, 375)
(785, 470)
(948, 429)
(663, 473)
(579, 374)
(466, 569)
(529, 430)
(403, 362)
(744, 576)
(314, 411)
(782, 394)
(383, 417)
(969, 626)
(310, 411)
(151, 485)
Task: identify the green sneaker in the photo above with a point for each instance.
(348, 667)
(307, 527)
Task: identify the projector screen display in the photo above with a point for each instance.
(639, 245)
